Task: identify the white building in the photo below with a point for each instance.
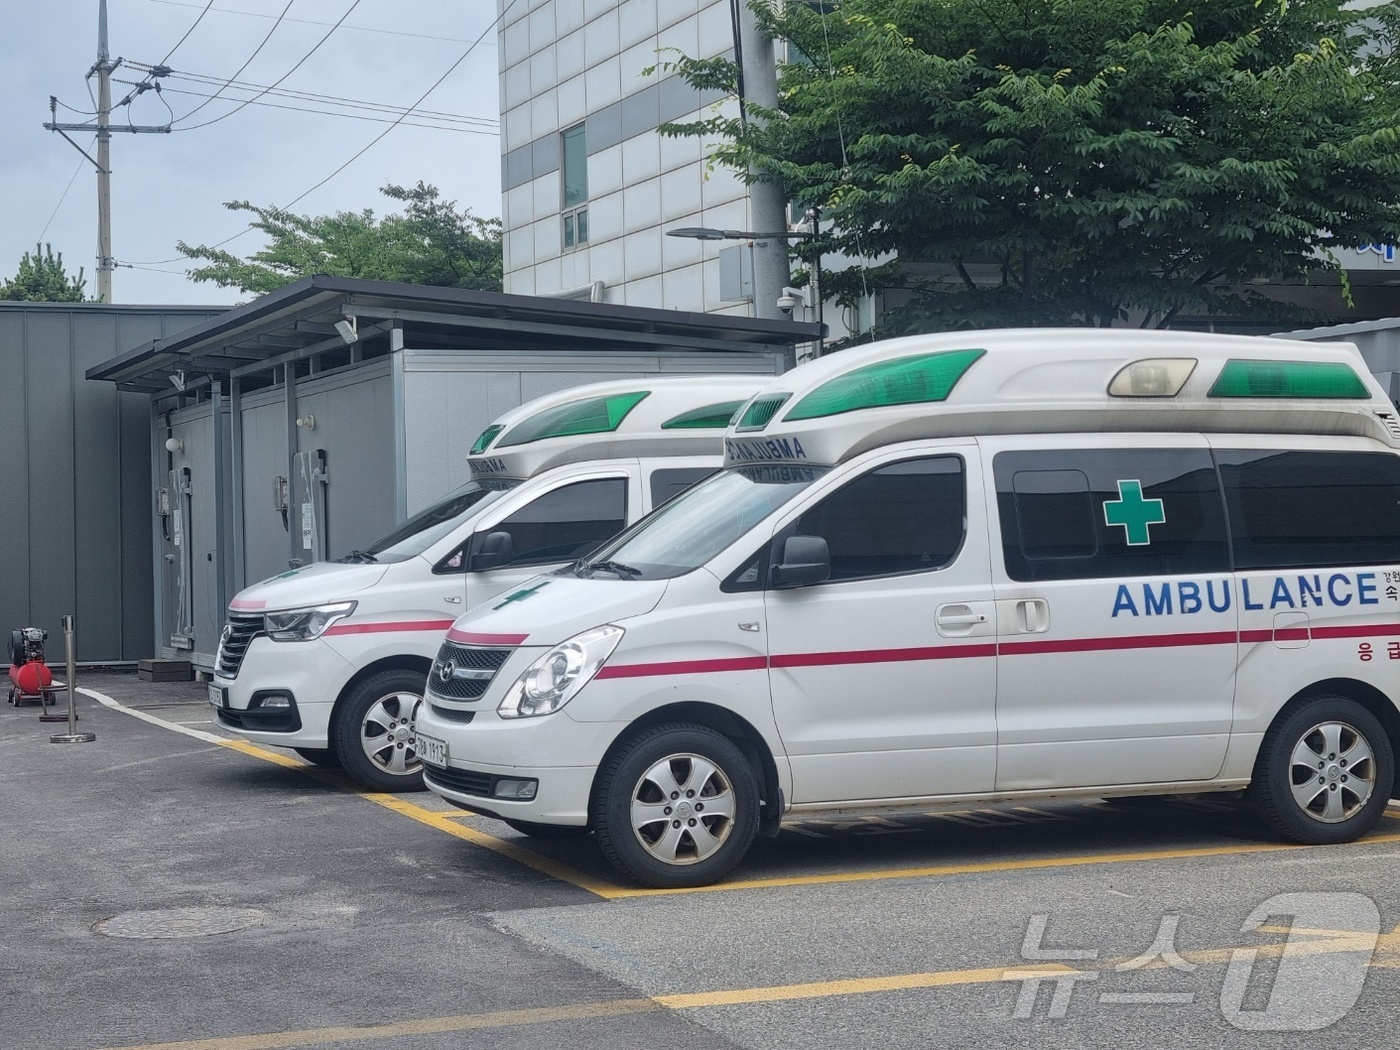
(578, 126)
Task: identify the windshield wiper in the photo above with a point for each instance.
(358, 557)
(626, 572)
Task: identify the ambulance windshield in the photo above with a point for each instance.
(698, 524)
(428, 526)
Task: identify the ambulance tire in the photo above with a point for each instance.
(675, 842)
(372, 731)
(1324, 772)
(319, 756)
(546, 831)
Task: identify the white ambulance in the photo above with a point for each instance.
(331, 659)
(965, 569)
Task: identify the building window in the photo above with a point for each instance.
(574, 179)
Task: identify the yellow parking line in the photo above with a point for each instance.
(1032, 864)
(435, 819)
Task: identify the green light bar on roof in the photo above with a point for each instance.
(595, 415)
(1289, 379)
(711, 417)
(760, 412)
(906, 381)
(484, 441)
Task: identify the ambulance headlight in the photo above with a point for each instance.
(302, 625)
(556, 677)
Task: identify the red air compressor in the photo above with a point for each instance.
(30, 679)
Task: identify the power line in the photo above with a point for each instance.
(468, 129)
(284, 76)
(315, 97)
(373, 142)
(188, 31)
(246, 64)
(312, 22)
(64, 196)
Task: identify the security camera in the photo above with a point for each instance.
(788, 303)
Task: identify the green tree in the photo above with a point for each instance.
(42, 279)
(430, 242)
(1076, 161)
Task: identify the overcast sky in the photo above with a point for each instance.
(172, 187)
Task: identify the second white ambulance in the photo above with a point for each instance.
(331, 659)
(960, 569)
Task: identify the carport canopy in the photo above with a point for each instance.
(331, 317)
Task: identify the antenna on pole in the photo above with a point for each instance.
(104, 67)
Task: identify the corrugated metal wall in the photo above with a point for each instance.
(75, 476)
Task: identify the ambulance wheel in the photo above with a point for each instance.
(372, 731)
(676, 805)
(319, 756)
(1324, 771)
(546, 831)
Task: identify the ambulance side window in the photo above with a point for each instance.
(905, 517)
(568, 522)
(1096, 513)
(1317, 509)
(672, 481)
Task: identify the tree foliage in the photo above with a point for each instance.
(42, 279)
(1076, 161)
(430, 242)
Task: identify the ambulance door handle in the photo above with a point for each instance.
(958, 619)
(453, 599)
(1033, 616)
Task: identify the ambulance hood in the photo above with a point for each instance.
(315, 584)
(549, 609)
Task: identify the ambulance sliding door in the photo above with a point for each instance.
(1116, 615)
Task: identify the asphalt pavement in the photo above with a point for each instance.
(169, 886)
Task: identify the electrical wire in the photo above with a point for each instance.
(63, 197)
(506, 9)
(375, 141)
(284, 76)
(469, 129)
(188, 31)
(315, 97)
(247, 63)
(313, 22)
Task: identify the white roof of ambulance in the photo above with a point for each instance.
(654, 425)
(1056, 380)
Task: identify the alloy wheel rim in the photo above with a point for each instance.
(682, 809)
(1332, 772)
(388, 734)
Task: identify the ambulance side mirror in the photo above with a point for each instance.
(493, 550)
(806, 559)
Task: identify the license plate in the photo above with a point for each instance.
(217, 696)
(432, 751)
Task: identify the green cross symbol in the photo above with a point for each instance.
(520, 596)
(1134, 513)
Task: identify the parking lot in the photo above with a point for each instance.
(167, 886)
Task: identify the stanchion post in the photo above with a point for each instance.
(72, 736)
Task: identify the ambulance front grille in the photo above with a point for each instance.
(238, 634)
(462, 672)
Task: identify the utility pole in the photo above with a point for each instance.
(104, 67)
(767, 208)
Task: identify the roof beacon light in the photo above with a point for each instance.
(484, 441)
(1153, 377)
(760, 412)
(1289, 379)
(905, 381)
(594, 415)
(710, 417)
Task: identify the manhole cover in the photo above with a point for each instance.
(179, 922)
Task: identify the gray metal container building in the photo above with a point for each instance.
(308, 422)
(75, 512)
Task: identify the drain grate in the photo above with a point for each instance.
(179, 922)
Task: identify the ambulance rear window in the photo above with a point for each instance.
(1317, 509)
